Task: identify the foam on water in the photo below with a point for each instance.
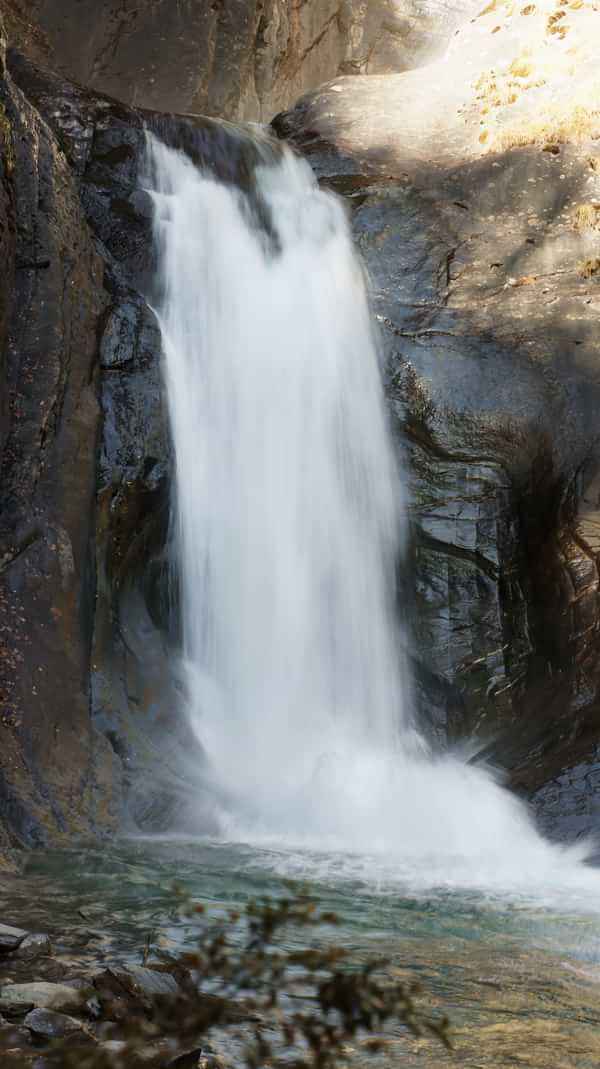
(288, 523)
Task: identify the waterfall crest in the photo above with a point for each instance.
(288, 521)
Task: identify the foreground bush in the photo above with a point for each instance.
(263, 1006)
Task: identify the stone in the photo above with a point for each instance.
(16, 1008)
(78, 983)
(137, 981)
(10, 938)
(48, 1024)
(41, 995)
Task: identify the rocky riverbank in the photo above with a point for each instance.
(46, 998)
(71, 1002)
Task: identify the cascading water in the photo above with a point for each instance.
(288, 524)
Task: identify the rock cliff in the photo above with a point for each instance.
(236, 59)
(93, 737)
(53, 304)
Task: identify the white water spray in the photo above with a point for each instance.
(288, 524)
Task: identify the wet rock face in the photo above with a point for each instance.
(492, 354)
(90, 693)
(233, 58)
(53, 303)
(86, 685)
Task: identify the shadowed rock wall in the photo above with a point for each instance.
(53, 303)
(90, 712)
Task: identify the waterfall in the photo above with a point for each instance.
(288, 527)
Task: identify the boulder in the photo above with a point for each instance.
(191, 1059)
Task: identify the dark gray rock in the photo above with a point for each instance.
(137, 980)
(16, 1037)
(10, 938)
(237, 60)
(47, 1024)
